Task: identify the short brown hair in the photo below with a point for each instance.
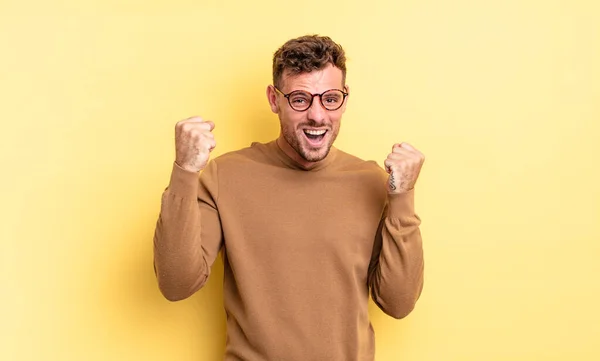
(308, 53)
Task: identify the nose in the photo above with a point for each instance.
(316, 112)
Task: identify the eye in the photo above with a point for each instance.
(332, 98)
(299, 99)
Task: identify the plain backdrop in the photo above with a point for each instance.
(501, 96)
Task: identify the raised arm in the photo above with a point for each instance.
(396, 273)
(187, 237)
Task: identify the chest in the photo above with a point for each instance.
(294, 215)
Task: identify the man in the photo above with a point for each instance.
(306, 230)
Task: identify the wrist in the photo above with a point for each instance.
(187, 168)
(183, 182)
(401, 204)
(400, 190)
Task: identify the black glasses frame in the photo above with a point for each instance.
(312, 97)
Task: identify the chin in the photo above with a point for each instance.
(307, 151)
(311, 153)
(315, 155)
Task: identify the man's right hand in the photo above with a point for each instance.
(193, 143)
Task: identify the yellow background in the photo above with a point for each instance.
(502, 97)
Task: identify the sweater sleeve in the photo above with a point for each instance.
(396, 274)
(188, 235)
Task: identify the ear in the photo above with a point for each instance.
(347, 90)
(272, 97)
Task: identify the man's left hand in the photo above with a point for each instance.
(403, 165)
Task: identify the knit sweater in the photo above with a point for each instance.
(302, 248)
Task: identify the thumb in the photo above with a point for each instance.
(388, 166)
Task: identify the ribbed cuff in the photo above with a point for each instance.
(183, 182)
(401, 205)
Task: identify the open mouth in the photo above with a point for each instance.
(315, 136)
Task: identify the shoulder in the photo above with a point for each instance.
(366, 175)
(347, 161)
(249, 152)
(368, 172)
(247, 156)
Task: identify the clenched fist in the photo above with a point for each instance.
(193, 143)
(403, 165)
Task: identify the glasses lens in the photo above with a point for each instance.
(300, 100)
(332, 99)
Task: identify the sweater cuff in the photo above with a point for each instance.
(401, 205)
(183, 182)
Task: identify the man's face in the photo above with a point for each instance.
(309, 133)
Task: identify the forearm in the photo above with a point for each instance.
(180, 265)
(397, 278)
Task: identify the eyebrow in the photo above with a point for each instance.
(306, 91)
(299, 91)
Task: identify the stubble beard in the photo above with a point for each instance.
(306, 152)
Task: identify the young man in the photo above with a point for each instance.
(306, 229)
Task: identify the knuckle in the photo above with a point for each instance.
(195, 134)
(186, 127)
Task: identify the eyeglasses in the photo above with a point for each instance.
(301, 100)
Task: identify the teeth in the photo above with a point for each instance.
(315, 132)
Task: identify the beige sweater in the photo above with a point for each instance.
(301, 249)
